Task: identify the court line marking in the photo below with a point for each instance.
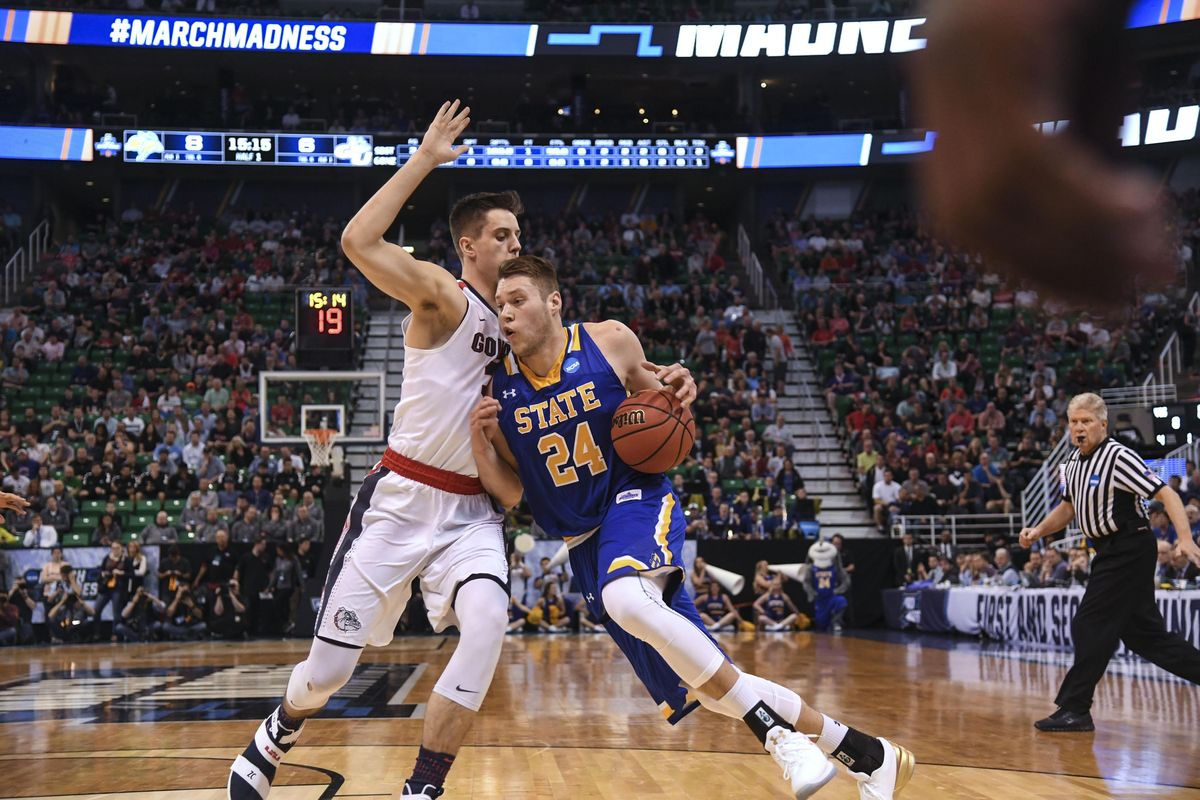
(407, 686)
(542, 747)
(336, 779)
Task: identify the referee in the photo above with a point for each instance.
(1102, 483)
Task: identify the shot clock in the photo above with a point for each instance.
(324, 326)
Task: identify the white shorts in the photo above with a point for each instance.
(398, 530)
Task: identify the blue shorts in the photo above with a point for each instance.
(826, 607)
(640, 535)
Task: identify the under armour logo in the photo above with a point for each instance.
(509, 394)
(590, 597)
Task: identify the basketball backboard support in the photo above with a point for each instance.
(354, 403)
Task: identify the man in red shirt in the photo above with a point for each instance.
(961, 418)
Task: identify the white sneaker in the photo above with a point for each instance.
(804, 765)
(887, 781)
(428, 793)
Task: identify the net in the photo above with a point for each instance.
(320, 445)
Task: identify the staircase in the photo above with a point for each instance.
(819, 457)
(385, 353)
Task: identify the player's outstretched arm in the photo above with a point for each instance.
(493, 459)
(420, 285)
(623, 350)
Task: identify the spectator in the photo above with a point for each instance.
(160, 531)
(247, 529)
(173, 571)
(106, 532)
(304, 527)
(136, 566)
(111, 588)
(1006, 573)
(40, 535)
(886, 496)
(906, 559)
(52, 569)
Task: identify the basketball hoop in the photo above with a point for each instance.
(320, 445)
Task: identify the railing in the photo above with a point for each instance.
(1036, 496)
(1148, 394)
(764, 292)
(22, 262)
(965, 529)
(1170, 360)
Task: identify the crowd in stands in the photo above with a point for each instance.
(948, 386)
(130, 414)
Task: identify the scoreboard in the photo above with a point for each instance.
(324, 325)
(362, 150)
(295, 149)
(600, 153)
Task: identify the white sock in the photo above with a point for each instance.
(832, 734)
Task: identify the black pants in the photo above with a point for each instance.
(1119, 606)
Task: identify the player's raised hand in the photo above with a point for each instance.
(677, 377)
(448, 124)
(1060, 211)
(12, 502)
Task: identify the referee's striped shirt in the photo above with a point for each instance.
(1107, 488)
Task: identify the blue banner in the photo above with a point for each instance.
(45, 144)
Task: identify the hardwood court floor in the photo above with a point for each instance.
(566, 720)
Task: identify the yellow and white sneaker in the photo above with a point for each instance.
(892, 776)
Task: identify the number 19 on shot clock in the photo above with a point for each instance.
(324, 326)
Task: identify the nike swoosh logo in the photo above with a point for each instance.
(469, 691)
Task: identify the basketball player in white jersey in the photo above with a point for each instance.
(421, 512)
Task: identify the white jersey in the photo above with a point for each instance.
(442, 386)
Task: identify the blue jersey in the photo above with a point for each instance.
(559, 430)
(775, 607)
(824, 580)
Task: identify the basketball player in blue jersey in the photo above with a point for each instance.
(774, 610)
(826, 583)
(422, 511)
(545, 433)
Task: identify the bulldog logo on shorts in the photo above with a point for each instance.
(346, 620)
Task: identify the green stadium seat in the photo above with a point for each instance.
(137, 521)
(85, 521)
(143, 506)
(174, 505)
(74, 539)
(92, 506)
(124, 506)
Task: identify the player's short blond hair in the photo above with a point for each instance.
(1090, 401)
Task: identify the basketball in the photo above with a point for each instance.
(652, 432)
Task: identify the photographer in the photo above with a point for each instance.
(283, 583)
(185, 618)
(253, 575)
(141, 618)
(69, 617)
(174, 571)
(229, 612)
(16, 614)
(112, 583)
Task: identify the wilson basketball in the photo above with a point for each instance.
(652, 432)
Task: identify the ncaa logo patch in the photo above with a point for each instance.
(571, 366)
(346, 620)
(1094, 481)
